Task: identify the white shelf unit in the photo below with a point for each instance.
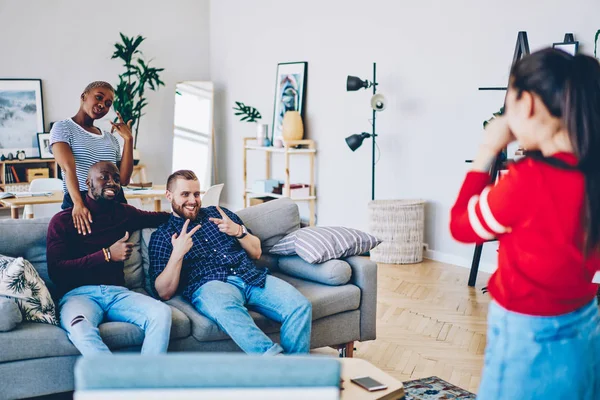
(289, 149)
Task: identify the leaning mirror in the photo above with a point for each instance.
(193, 140)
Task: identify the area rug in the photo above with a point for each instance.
(434, 388)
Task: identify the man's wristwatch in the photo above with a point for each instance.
(244, 232)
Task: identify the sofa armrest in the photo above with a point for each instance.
(364, 275)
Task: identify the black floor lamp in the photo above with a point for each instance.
(378, 103)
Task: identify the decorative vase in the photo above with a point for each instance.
(292, 126)
(262, 131)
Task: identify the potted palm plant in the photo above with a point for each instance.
(138, 76)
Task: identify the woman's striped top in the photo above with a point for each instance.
(87, 148)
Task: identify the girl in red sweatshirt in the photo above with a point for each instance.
(543, 337)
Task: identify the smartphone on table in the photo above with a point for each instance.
(368, 383)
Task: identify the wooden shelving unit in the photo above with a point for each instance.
(289, 149)
(22, 166)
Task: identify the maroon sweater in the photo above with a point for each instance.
(76, 260)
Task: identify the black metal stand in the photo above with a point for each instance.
(374, 135)
(521, 49)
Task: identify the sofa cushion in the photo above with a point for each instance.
(132, 269)
(271, 221)
(145, 241)
(10, 315)
(180, 323)
(34, 340)
(332, 272)
(27, 238)
(326, 300)
(203, 329)
(320, 244)
(20, 280)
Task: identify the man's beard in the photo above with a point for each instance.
(98, 194)
(184, 213)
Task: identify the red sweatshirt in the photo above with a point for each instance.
(535, 212)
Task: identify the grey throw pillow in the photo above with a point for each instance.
(319, 244)
(10, 315)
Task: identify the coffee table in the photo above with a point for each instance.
(355, 367)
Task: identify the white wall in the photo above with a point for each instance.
(68, 43)
(432, 56)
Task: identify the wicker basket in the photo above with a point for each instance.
(399, 225)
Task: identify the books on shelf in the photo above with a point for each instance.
(11, 195)
(297, 190)
(10, 175)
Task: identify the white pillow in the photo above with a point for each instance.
(20, 280)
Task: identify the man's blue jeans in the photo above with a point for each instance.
(530, 357)
(225, 303)
(84, 308)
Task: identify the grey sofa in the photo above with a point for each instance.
(37, 359)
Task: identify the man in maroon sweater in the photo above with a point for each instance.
(88, 269)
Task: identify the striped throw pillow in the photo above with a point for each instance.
(319, 244)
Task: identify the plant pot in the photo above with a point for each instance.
(292, 126)
(136, 157)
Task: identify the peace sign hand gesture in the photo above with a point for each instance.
(225, 224)
(183, 242)
(124, 129)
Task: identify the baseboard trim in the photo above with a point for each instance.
(457, 260)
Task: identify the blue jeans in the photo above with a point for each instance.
(84, 308)
(225, 304)
(530, 357)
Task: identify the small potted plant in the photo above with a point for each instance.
(251, 114)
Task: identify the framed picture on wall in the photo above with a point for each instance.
(44, 145)
(290, 88)
(568, 47)
(21, 116)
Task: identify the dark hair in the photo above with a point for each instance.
(183, 174)
(98, 84)
(569, 86)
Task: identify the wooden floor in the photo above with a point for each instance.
(429, 322)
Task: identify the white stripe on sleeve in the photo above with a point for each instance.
(474, 220)
(486, 212)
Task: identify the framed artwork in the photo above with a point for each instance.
(44, 145)
(21, 116)
(568, 47)
(290, 88)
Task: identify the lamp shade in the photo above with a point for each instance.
(354, 83)
(378, 102)
(355, 141)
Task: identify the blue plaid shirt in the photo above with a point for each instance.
(213, 256)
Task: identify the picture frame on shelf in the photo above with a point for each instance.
(21, 115)
(290, 88)
(44, 145)
(568, 47)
